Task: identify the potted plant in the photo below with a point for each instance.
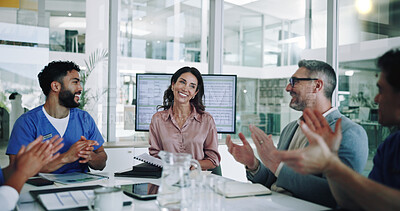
(94, 58)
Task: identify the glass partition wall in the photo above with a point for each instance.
(157, 36)
(262, 42)
(367, 29)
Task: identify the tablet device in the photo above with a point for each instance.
(143, 191)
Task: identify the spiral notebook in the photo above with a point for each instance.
(149, 159)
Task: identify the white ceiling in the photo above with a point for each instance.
(282, 9)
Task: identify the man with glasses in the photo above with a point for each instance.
(311, 86)
(381, 190)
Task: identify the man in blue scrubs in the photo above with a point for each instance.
(82, 140)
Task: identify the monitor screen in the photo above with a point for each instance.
(219, 99)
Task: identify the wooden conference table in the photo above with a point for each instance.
(275, 201)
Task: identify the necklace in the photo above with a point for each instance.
(181, 115)
(182, 118)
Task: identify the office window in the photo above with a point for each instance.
(158, 36)
(318, 24)
(29, 33)
(368, 20)
(366, 31)
(67, 24)
(162, 29)
(263, 42)
(23, 52)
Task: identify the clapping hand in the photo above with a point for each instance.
(242, 153)
(265, 148)
(322, 148)
(87, 152)
(318, 124)
(79, 149)
(37, 154)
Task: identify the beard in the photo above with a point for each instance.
(298, 106)
(299, 103)
(67, 99)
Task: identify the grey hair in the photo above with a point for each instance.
(322, 71)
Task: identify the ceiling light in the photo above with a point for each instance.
(364, 6)
(349, 73)
(72, 24)
(138, 32)
(343, 93)
(240, 2)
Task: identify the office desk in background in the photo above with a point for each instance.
(275, 201)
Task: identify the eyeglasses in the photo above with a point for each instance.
(294, 80)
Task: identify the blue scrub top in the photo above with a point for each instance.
(34, 123)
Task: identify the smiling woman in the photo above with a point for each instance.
(183, 126)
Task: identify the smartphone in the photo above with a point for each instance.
(39, 182)
(143, 191)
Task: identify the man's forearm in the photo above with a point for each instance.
(356, 192)
(17, 181)
(8, 171)
(98, 161)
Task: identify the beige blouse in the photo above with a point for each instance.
(198, 135)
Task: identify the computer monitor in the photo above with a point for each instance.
(219, 99)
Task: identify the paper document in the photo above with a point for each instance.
(232, 189)
(149, 159)
(70, 199)
(72, 178)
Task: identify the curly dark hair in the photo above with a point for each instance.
(197, 101)
(389, 63)
(55, 71)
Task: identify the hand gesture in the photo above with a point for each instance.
(87, 152)
(265, 148)
(37, 154)
(313, 159)
(242, 153)
(318, 124)
(75, 150)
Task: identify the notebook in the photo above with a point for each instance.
(69, 198)
(149, 159)
(233, 189)
(143, 170)
(72, 178)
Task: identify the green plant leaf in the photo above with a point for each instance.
(94, 58)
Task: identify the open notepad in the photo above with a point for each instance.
(232, 189)
(69, 198)
(149, 159)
